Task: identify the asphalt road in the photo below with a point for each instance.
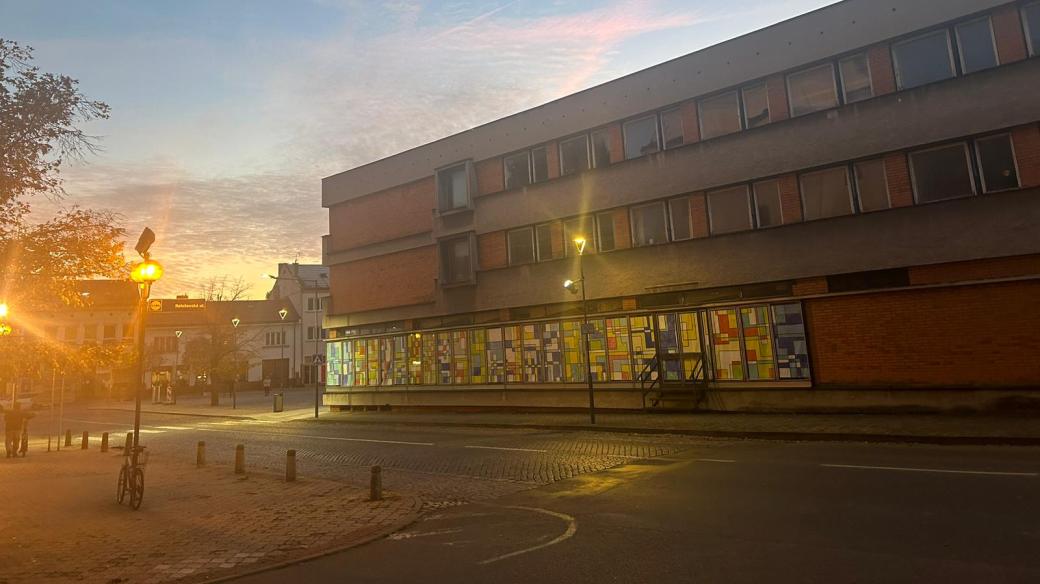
(546, 506)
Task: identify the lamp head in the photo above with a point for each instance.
(234, 322)
(178, 333)
(571, 286)
(283, 313)
(4, 310)
(579, 243)
(147, 271)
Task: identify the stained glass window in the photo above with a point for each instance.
(430, 366)
(444, 376)
(532, 352)
(496, 356)
(415, 358)
(373, 361)
(643, 348)
(725, 339)
(668, 341)
(477, 356)
(334, 358)
(400, 365)
(598, 349)
(514, 352)
(361, 362)
(386, 361)
(792, 352)
(460, 361)
(346, 378)
(693, 351)
(619, 354)
(553, 353)
(758, 347)
(573, 351)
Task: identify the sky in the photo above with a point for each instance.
(226, 114)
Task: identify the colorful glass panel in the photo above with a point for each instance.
(346, 378)
(725, 340)
(643, 347)
(598, 349)
(415, 358)
(429, 359)
(514, 351)
(532, 352)
(573, 351)
(477, 356)
(360, 362)
(552, 352)
(373, 361)
(460, 359)
(496, 356)
(400, 365)
(386, 361)
(693, 351)
(444, 376)
(334, 361)
(758, 346)
(792, 352)
(668, 341)
(619, 353)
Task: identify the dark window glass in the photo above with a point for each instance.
(543, 235)
(539, 164)
(997, 160)
(812, 90)
(521, 246)
(719, 115)
(648, 225)
(671, 128)
(975, 40)
(575, 228)
(923, 60)
(767, 203)
(728, 210)
(605, 231)
(825, 193)
(641, 137)
(679, 212)
(517, 170)
(941, 173)
(1031, 16)
(756, 106)
(855, 78)
(872, 280)
(455, 260)
(574, 155)
(600, 148)
(871, 185)
(453, 187)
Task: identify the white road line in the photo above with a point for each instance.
(714, 460)
(572, 527)
(504, 448)
(936, 470)
(171, 428)
(319, 437)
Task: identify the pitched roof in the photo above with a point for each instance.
(108, 293)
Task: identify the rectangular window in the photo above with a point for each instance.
(310, 333)
(600, 148)
(453, 187)
(871, 185)
(671, 128)
(767, 203)
(941, 173)
(90, 333)
(110, 332)
(825, 193)
(758, 343)
(997, 163)
(725, 340)
(310, 304)
(648, 225)
(517, 170)
(1031, 18)
(923, 60)
(582, 227)
(719, 115)
(520, 246)
(539, 164)
(728, 210)
(543, 236)
(977, 49)
(456, 264)
(756, 106)
(574, 155)
(679, 213)
(812, 90)
(605, 231)
(792, 352)
(855, 78)
(640, 137)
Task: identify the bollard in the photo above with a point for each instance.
(85, 443)
(104, 442)
(290, 466)
(375, 490)
(240, 459)
(68, 438)
(129, 443)
(200, 454)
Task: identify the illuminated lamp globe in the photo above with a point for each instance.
(147, 271)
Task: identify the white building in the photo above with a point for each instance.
(306, 288)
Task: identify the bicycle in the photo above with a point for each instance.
(131, 478)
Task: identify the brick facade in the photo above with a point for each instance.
(882, 75)
(552, 153)
(897, 171)
(492, 250)
(411, 205)
(617, 143)
(973, 271)
(398, 279)
(1026, 140)
(691, 125)
(698, 215)
(809, 287)
(490, 176)
(790, 199)
(776, 90)
(1007, 32)
(622, 229)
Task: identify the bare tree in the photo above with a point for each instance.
(225, 288)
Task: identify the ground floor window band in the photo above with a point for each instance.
(752, 343)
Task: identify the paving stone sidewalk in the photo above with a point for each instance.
(60, 521)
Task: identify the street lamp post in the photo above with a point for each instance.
(579, 243)
(234, 348)
(176, 367)
(281, 344)
(145, 274)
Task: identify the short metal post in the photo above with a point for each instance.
(129, 443)
(290, 466)
(68, 438)
(200, 454)
(86, 440)
(104, 442)
(375, 490)
(240, 459)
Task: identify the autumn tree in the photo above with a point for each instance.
(224, 288)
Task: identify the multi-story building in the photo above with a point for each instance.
(838, 211)
(306, 287)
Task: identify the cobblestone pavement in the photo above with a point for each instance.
(61, 522)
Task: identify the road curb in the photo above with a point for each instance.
(168, 413)
(735, 434)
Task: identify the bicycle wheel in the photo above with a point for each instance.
(121, 486)
(137, 488)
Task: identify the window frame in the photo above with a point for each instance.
(588, 154)
(531, 156)
(629, 122)
(834, 86)
(537, 243)
(467, 169)
(950, 53)
(960, 46)
(473, 261)
(509, 246)
(599, 230)
(1031, 49)
(745, 118)
(631, 221)
(660, 121)
(747, 206)
(739, 111)
(858, 192)
(595, 163)
(757, 221)
(530, 171)
(978, 162)
(849, 178)
(967, 161)
(841, 78)
(671, 218)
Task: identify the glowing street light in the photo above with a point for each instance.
(145, 273)
(234, 348)
(4, 310)
(281, 349)
(572, 287)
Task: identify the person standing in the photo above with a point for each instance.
(14, 419)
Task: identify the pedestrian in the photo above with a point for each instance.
(14, 426)
(267, 386)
